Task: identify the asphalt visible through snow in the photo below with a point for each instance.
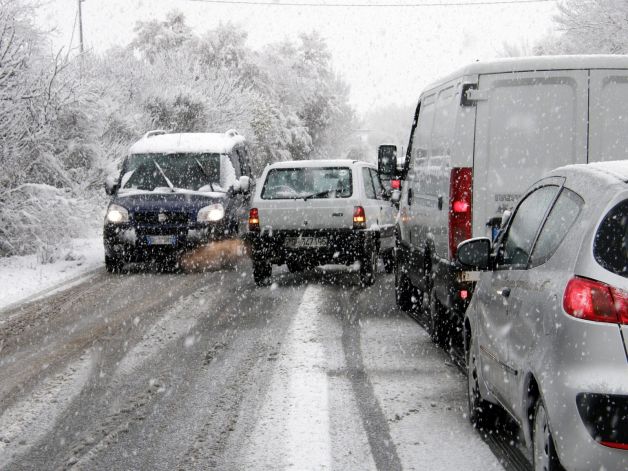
(205, 370)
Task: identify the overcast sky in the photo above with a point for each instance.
(386, 54)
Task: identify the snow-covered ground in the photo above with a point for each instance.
(23, 277)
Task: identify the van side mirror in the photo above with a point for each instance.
(111, 185)
(244, 183)
(474, 254)
(387, 161)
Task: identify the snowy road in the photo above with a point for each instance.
(207, 371)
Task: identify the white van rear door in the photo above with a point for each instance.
(608, 125)
(527, 124)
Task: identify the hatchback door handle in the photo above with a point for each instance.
(505, 292)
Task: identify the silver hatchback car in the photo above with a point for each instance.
(546, 333)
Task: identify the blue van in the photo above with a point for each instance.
(176, 191)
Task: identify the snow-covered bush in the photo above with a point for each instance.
(67, 122)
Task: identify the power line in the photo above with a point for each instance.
(373, 5)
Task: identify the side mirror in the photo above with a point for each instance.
(505, 218)
(395, 196)
(474, 254)
(387, 160)
(111, 185)
(245, 184)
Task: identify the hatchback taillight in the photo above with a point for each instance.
(359, 217)
(460, 199)
(254, 220)
(595, 301)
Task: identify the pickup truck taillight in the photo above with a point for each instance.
(595, 301)
(359, 217)
(254, 220)
(460, 199)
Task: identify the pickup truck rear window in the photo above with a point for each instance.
(308, 183)
(611, 241)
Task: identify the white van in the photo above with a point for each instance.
(480, 137)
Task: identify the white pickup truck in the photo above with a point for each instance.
(315, 212)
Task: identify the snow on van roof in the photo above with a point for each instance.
(612, 171)
(220, 143)
(317, 163)
(537, 63)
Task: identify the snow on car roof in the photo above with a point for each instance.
(317, 163)
(612, 171)
(220, 143)
(537, 63)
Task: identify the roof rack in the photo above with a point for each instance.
(232, 133)
(154, 132)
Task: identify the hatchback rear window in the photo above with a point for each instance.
(307, 182)
(611, 241)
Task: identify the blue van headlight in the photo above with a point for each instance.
(117, 214)
(211, 213)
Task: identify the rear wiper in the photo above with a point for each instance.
(165, 177)
(315, 195)
(211, 187)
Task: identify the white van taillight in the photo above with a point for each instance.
(460, 200)
(254, 220)
(595, 301)
(359, 217)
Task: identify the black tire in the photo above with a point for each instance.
(295, 267)
(261, 272)
(437, 321)
(368, 267)
(113, 264)
(389, 261)
(405, 294)
(482, 414)
(544, 456)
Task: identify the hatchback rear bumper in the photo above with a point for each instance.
(342, 246)
(582, 421)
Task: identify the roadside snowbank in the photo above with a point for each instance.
(22, 277)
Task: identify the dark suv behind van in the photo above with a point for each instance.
(176, 191)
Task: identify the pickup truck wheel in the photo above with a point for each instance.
(261, 272)
(368, 268)
(113, 264)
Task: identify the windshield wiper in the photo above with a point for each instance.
(315, 195)
(165, 177)
(211, 187)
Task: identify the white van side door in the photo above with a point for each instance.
(527, 124)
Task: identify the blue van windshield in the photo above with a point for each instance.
(190, 171)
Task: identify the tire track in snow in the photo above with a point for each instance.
(294, 429)
(373, 418)
(174, 325)
(26, 422)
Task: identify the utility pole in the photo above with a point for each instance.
(80, 22)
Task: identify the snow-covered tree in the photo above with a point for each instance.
(588, 27)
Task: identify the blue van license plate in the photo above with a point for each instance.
(161, 240)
